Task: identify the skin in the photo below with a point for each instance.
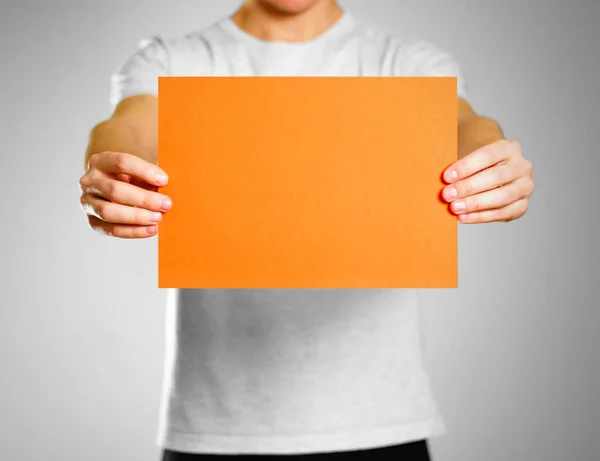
(490, 181)
(287, 20)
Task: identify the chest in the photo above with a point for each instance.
(354, 58)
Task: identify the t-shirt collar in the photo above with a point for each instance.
(345, 23)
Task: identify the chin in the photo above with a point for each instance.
(290, 6)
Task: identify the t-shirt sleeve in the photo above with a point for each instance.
(424, 59)
(139, 74)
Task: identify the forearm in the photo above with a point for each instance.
(117, 134)
(477, 132)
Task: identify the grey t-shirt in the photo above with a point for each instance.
(290, 370)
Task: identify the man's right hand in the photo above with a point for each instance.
(119, 195)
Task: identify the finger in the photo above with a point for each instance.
(485, 180)
(122, 163)
(98, 183)
(125, 178)
(124, 231)
(133, 180)
(508, 213)
(478, 160)
(117, 213)
(143, 184)
(492, 199)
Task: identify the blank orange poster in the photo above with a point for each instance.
(307, 182)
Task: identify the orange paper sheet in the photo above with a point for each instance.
(307, 182)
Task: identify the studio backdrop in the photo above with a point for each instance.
(512, 353)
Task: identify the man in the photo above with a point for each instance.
(310, 373)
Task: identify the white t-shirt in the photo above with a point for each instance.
(279, 371)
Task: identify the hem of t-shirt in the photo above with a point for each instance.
(301, 443)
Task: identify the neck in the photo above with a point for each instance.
(265, 23)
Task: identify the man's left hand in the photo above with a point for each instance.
(493, 183)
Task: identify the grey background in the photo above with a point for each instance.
(512, 353)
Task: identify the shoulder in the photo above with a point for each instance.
(408, 53)
(414, 56)
(419, 55)
(158, 56)
(188, 53)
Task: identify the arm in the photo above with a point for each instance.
(475, 131)
(132, 128)
(119, 186)
(491, 180)
(121, 179)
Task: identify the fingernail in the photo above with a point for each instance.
(459, 206)
(151, 229)
(161, 177)
(166, 204)
(451, 193)
(453, 175)
(156, 217)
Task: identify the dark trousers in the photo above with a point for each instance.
(413, 451)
